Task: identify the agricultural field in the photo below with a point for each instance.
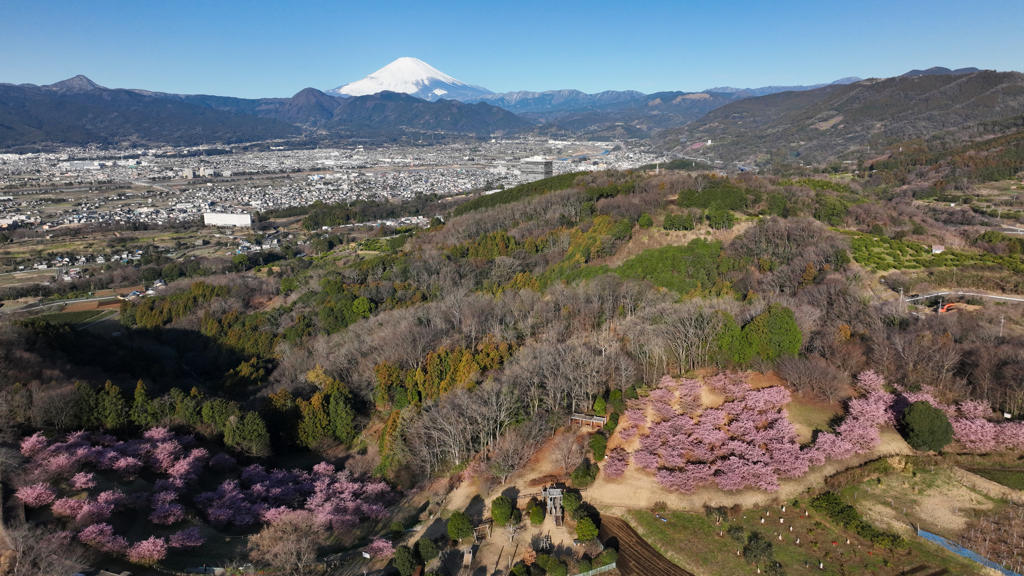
(706, 546)
(1007, 477)
(74, 318)
(880, 253)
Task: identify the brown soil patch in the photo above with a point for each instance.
(544, 481)
(80, 306)
(636, 556)
(19, 302)
(710, 398)
(766, 380)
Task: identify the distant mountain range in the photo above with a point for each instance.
(808, 122)
(766, 90)
(836, 121)
(80, 112)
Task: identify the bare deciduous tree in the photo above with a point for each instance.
(568, 451)
(290, 544)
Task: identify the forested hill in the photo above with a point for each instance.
(459, 349)
(847, 121)
(83, 113)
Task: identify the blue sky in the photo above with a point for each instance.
(258, 48)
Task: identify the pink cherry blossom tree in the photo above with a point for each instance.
(148, 552)
(83, 481)
(380, 548)
(102, 537)
(33, 445)
(187, 538)
(36, 495)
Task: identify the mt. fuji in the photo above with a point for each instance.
(414, 77)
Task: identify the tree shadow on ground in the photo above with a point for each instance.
(512, 493)
(475, 509)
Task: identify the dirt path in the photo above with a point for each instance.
(636, 556)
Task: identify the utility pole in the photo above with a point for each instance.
(1001, 319)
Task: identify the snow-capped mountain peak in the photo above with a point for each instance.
(411, 76)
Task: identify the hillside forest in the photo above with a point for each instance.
(313, 396)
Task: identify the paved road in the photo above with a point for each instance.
(975, 294)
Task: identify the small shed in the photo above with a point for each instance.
(587, 420)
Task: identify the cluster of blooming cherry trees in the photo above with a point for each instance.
(336, 500)
(748, 441)
(68, 476)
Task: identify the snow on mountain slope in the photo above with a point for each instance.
(414, 77)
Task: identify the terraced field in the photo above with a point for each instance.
(636, 556)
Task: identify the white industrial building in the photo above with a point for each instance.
(222, 219)
(536, 168)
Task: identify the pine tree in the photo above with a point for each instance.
(342, 417)
(88, 405)
(142, 407)
(111, 407)
(315, 424)
(248, 434)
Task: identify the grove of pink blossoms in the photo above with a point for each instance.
(747, 441)
(336, 501)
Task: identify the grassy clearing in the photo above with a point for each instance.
(809, 416)
(1009, 478)
(71, 318)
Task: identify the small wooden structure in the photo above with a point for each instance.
(483, 530)
(467, 562)
(587, 420)
(553, 497)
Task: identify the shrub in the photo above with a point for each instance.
(405, 560)
(427, 550)
(586, 530)
(459, 526)
(571, 501)
(758, 549)
(831, 505)
(736, 533)
(926, 427)
(501, 510)
(598, 445)
(607, 557)
(584, 474)
(537, 514)
(615, 400)
(646, 221)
